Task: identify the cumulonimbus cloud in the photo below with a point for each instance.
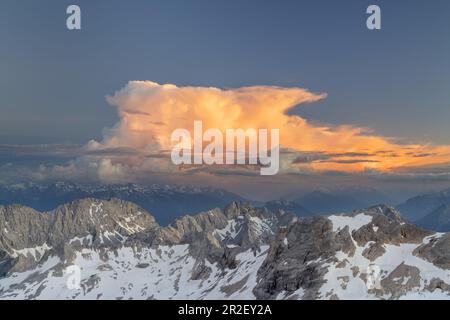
(149, 112)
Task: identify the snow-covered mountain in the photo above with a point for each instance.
(165, 202)
(118, 251)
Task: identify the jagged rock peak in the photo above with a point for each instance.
(236, 253)
(86, 221)
(386, 210)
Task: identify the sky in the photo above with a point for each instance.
(355, 88)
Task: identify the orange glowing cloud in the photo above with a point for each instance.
(150, 112)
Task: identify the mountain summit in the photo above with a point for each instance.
(166, 202)
(240, 252)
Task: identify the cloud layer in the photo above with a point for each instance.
(149, 112)
(138, 147)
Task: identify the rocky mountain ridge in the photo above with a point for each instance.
(240, 252)
(165, 202)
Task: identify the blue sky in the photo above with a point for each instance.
(395, 80)
(54, 82)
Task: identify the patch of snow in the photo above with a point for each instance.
(87, 240)
(130, 273)
(259, 226)
(231, 230)
(354, 223)
(34, 252)
(357, 288)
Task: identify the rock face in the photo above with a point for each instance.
(372, 253)
(97, 249)
(28, 235)
(295, 260)
(436, 251)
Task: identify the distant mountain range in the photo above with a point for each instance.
(438, 219)
(168, 202)
(288, 206)
(429, 210)
(164, 201)
(420, 206)
(341, 200)
(114, 249)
